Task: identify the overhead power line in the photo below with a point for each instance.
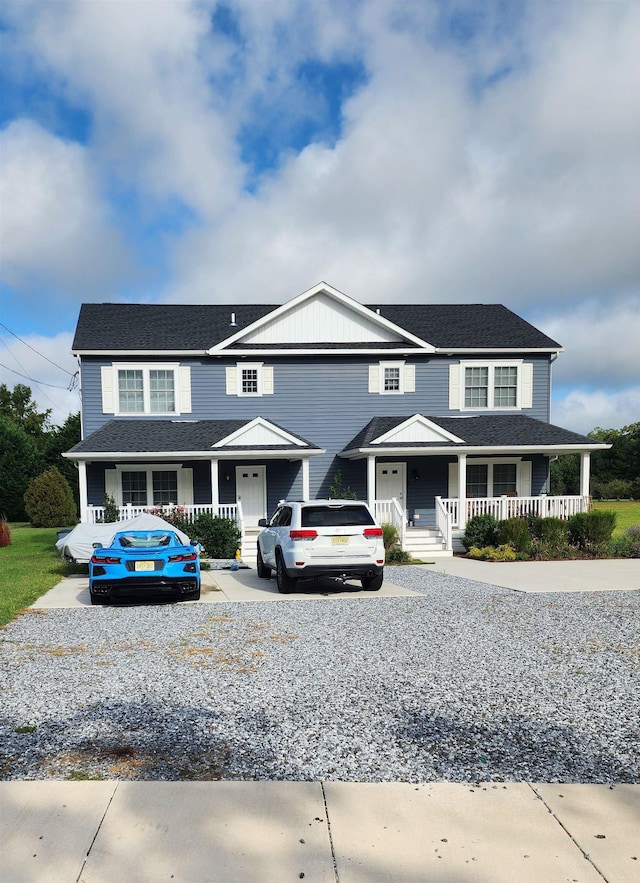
(39, 382)
(2, 325)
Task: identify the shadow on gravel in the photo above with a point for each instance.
(511, 748)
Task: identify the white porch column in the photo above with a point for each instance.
(371, 481)
(585, 469)
(305, 478)
(215, 488)
(82, 489)
(462, 491)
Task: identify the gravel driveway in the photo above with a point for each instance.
(463, 682)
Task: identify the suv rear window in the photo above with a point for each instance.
(338, 516)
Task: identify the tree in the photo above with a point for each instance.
(48, 500)
(59, 440)
(20, 461)
(18, 406)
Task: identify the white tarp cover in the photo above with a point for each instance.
(78, 545)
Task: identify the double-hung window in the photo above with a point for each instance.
(392, 378)
(146, 389)
(249, 379)
(149, 487)
(490, 385)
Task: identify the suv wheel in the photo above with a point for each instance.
(264, 572)
(372, 583)
(286, 583)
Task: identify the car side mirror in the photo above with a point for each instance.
(97, 545)
(262, 522)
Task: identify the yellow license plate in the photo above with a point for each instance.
(145, 565)
(339, 541)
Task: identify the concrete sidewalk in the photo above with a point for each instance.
(274, 832)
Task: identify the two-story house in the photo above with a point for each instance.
(431, 412)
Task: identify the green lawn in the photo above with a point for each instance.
(627, 511)
(29, 567)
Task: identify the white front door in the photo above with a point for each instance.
(391, 482)
(251, 491)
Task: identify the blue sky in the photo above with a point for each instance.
(195, 151)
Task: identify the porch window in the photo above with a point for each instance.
(477, 480)
(504, 479)
(165, 488)
(134, 488)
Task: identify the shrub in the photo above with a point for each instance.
(111, 512)
(481, 531)
(628, 545)
(390, 536)
(175, 516)
(503, 552)
(220, 537)
(396, 555)
(552, 535)
(615, 489)
(515, 532)
(591, 531)
(49, 501)
(5, 532)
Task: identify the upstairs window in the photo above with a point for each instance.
(146, 389)
(392, 378)
(490, 385)
(249, 379)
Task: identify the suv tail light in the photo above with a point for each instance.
(303, 534)
(372, 532)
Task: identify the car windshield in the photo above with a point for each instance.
(335, 516)
(143, 541)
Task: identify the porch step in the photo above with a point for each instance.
(250, 546)
(425, 542)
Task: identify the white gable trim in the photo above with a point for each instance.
(417, 429)
(259, 432)
(393, 333)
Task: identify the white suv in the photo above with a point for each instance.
(338, 538)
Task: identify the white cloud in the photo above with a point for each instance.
(582, 411)
(54, 225)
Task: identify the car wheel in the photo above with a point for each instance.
(98, 599)
(264, 572)
(193, 596)
(286, 583)
(372, 583)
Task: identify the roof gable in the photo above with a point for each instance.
(258, 433)
(416, 429)
(322, 315)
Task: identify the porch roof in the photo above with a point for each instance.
(482, 434)
(195, 438)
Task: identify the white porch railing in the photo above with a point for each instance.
(444, 523)
(391, 512)
(95, 514)
(510, 507)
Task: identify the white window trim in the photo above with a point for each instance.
(406, 376)
(180, 385)
(250, 366)
(264, 374)
(490, 406)
(523, 474)
(149, 468)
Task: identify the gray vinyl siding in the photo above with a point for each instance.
(323, 399)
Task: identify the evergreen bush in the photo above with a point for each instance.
(552, 536)
(49, 502)
(504, 552)
(481, 531)
(220, 537)
(591, 531)
(111, 512)
(515, 532)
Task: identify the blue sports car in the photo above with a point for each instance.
(150, 563)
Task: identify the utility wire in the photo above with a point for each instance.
(2, 325)
(39, 382)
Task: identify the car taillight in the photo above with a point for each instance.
(104, 559)
(303, 534)
(183, 556)
(372, 532)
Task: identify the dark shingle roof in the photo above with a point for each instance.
(485, 430)
(169, 436)
(197, 327)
